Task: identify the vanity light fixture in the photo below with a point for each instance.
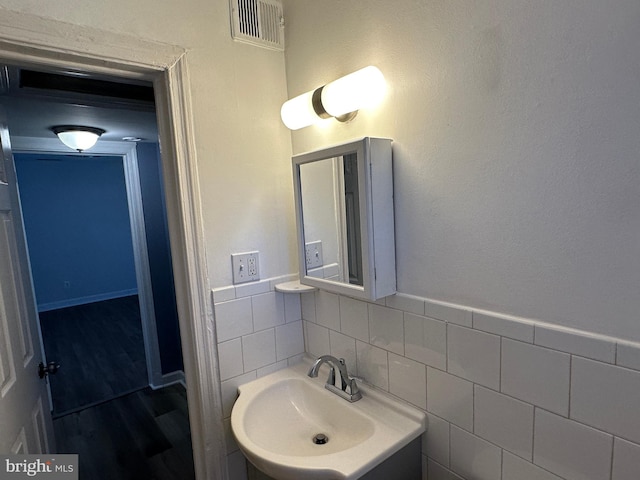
(340, 99)
(78, 137)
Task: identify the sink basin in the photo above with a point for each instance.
(277, 418)
(298, 414)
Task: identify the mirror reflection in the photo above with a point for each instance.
(331, 220)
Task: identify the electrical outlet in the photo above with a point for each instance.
(313, 254)
(246, 267)
(252, 266)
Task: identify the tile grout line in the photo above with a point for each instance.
(473, 409)
(242, 355)
(449, 466)
(446, 347)
(613, 449)
(570, 385)
(500, 366)
(533, 435)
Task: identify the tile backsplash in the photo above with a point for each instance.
(258, 331)
(507, 398)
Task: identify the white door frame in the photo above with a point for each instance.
(128, 152)
(28, 39)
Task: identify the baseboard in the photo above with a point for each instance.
(57, 415)
(170, 379)
(73, 302)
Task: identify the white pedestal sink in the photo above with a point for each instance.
(277, 418)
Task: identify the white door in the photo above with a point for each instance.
(25, 419)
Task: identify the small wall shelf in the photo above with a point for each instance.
(294, 287)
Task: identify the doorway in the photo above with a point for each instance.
(28, 39)
(79, 220)
(78, 230)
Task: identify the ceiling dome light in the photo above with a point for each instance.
(78, 137)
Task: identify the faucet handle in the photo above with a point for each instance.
(332, 376)
(353, 386)
(344, 374)
(354, 391)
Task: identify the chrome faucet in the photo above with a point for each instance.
(348, 388)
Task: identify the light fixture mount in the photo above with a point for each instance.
(78, 137)
(316, 101)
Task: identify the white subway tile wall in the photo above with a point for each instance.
(536, 375)
(259, 349)
(570, 341)
(230, 358)
(506, 397)
(606, 397)
(509, 327)
(450, 397)
(503, 420)
(373, 364)
(258, 332)
(425, 340)
(515, 468)
(628, 355)
(474, 355)
(626, 460)
(234, 319)
(408, 380)
(570, 449)
(327, 310)
(435, 441)
(342, 346)
(473, 457)
(386, 329)
(355, 317)
(289, 340)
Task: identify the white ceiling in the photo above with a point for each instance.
(32, 117)
(32, 114)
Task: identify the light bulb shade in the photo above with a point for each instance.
(77, 137)
(362, 89)
(298, 112)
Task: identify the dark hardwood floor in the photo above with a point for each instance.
(103, 409)
(100, 350)
(141, 436)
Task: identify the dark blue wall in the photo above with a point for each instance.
(77, 226)
(164, 297)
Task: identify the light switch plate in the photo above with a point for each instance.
(246, 267)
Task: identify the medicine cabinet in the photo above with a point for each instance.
(344, 218)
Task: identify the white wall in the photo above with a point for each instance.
(516, 167)
(505, 398)
(243, 150)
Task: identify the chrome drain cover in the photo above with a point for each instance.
(320, 439)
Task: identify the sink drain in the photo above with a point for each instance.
(320, 439)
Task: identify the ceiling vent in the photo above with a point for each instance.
(258, 22)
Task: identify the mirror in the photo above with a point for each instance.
(344, 209)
